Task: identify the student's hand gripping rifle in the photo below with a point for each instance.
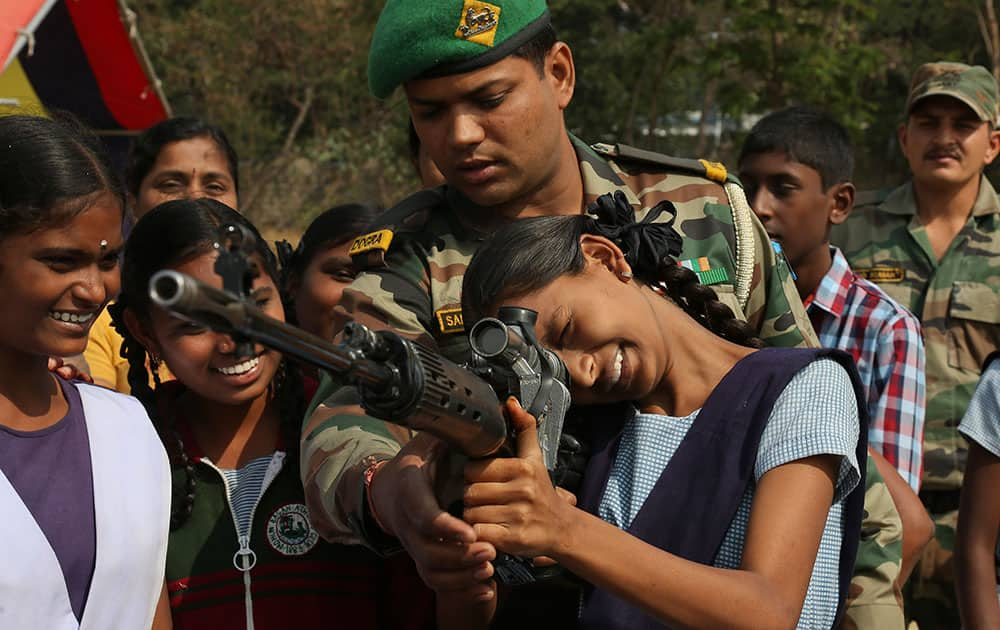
(396, 379)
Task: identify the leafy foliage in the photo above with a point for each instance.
(288, 83)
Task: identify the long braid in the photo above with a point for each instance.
(649, 247)
(702, 304)
(291, 406)
(182, 499)
(179, 513)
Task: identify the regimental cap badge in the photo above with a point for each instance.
(479, 22)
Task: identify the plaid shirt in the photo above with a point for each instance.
(854, 315)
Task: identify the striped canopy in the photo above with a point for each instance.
(82, 56)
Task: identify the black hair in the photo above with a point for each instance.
(808, 136)
(333, 227)
(51, 170)
(172, 233)
(549, 247)
(147, 146)
(536, 48)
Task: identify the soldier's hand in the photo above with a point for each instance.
(443, 547)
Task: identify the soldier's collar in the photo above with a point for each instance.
(463, 214)
(903, 200)
(987, 202)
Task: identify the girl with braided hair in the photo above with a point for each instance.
(728, 495)
(84, 481)
(242, 549)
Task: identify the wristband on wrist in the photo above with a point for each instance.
(373, 464)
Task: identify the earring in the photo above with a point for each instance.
(626, 275)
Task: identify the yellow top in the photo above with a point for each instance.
(103, 355)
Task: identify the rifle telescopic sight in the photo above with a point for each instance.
(489, 337)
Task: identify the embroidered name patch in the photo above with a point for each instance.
(289, 531)
(451, 320)
(479, 22)
(703, 269)
(882, 274)
(368, 242)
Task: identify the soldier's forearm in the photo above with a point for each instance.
(335, 449)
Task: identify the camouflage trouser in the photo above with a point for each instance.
(930, 593)
(874, 601)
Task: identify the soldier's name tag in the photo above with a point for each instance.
(882, 274)
(376, 240)
(450, 320)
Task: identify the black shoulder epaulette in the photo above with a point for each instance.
(369, 249)
(702, 168)
(870, 197)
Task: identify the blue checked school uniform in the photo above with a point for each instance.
(687, 484)
(981, 422)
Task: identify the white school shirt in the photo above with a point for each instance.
(132, 517)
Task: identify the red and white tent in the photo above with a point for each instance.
(82, 56)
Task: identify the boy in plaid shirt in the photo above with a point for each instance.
(796, 165)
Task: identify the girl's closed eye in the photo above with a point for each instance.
(565, 332)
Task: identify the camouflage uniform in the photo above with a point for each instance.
(874, 600)
(958, 303)
(417, 293)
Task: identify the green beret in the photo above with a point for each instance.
(434, 38)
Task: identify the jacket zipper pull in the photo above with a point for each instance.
(245, 559)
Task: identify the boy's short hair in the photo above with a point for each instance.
(808, 136)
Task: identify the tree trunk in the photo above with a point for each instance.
(706, 105)
(276, 166)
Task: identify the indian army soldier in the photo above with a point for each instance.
(486, 85)
(934, 246)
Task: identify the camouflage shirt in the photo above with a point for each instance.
(956, 298)
(416, 291)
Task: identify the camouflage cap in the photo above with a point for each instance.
(973, 85)
(433, 38)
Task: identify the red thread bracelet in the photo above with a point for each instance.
(373, 466)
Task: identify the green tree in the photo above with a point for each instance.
(288, 82)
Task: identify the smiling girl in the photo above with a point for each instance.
(242, 550)
(726, 497)
(84, 483)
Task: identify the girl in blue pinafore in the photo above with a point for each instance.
(723, 490)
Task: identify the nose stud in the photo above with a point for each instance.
(103, 244)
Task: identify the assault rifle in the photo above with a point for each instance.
(396, 379)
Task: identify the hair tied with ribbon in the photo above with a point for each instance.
(645, 243)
